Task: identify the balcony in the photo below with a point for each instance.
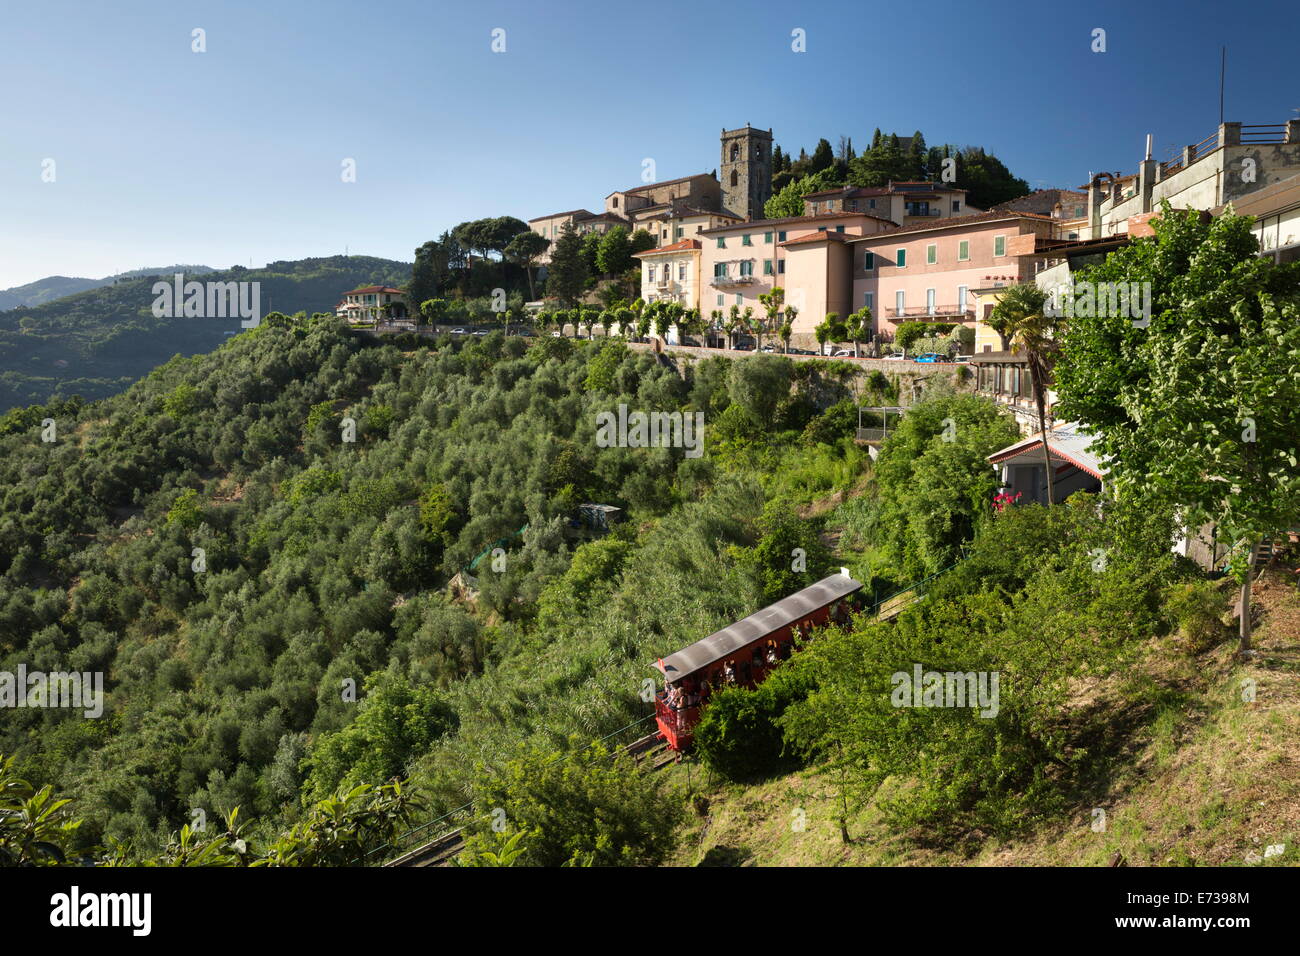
(945, 313)
(728, 282)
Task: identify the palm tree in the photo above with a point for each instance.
(1021, 320)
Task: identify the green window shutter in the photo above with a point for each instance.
(901, 261)
(963, 250)
(767, 267)
(781, 236)
(722, 242)
(767, 238)
(868, 261)
(999, 245)
(931, 254)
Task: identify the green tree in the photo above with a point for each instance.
(1200, 409)
(614, 254)
(566, 276)
(524, 250)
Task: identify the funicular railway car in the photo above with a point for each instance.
(742, 654)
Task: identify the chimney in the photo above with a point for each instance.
(1147, 172)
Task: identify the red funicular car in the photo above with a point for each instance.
(742, 654)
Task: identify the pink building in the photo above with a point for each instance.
(929, 272)
(741, 261)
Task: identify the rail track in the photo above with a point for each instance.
(651, 750)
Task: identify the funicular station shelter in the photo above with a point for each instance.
(742, 654)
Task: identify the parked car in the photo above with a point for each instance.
(458, 332)
(744, 346)
(557, 335)
(963, 359)
(894, 357)
(842, 353)
(930, 358)
(480, 332)
(768, 348)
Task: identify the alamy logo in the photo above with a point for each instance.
(1125, 300)
(655, 430)
(73, 909)
(208, 300)
(84, 691)
(947, 689)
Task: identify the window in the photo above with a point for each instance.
(719, 270)
(963, 250)
(852, 205)
(956, 205)
(767, 267)
(735, 178)
(681, 271)
(740, 299)
(651, 273)
(735, 152)
(868, 261)
(780, 267)
(677, 233)
(839, 228)
(664, 234)
(780, 236)
(720, 298)
(869, 301)
(871, 204)
(722, 242)
(747, 267)
(929, 302)
(999, 245)
(745, 240)
(931, 254)
(767, 238)
(901, 259)
(900, 302)
(816, 207)
(821, 228)
(961, 298)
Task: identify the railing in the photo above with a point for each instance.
(938, 312)
(873, 434)
(719, 282)
(1264, 133)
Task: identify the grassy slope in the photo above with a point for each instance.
(1213, 780)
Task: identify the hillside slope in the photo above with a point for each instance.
(1212, 781)
(97, 342)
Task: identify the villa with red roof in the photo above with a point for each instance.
(370, 303)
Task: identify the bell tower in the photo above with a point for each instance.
(746, 170)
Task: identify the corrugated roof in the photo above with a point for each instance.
(758, 625)
(1068, 443)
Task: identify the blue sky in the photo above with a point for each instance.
(164, 155)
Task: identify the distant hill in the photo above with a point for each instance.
(97, 342)
(56, 287)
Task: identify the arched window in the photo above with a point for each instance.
(758, 150)
(735, 178)
(735, 152)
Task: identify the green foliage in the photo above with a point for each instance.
(739, 735)
(789, 200)
(837, 422)
(1032, 605)
(186, 511)
(580, 806)
(934, 482)
(908, 333)
(1202, 407)
(35, 828)
(395, 721)
(1197, 607)
(788, 556)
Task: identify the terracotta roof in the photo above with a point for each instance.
(818, 237)
(759, 224)
(992, 215)
(556, 215)
(372, 289)
(637, 190)
(679, 246)
(850, 192)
